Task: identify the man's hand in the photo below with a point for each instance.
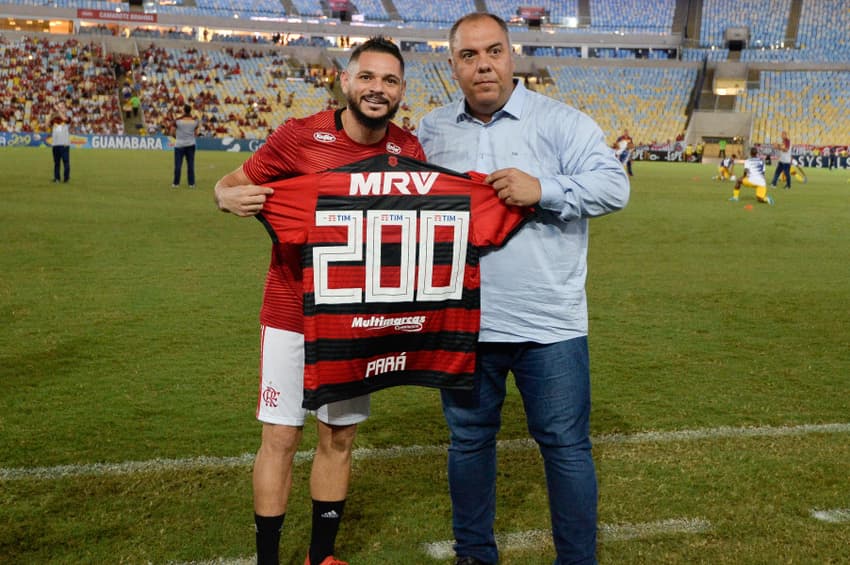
(515, 187)
(242, 200)
(236, 193)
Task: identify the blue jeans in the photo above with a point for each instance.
(554, 381)
(782, 168)
(62, 154)
(189, 154)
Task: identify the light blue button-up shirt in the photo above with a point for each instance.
(533, 288)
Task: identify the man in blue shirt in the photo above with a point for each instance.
(542, 153)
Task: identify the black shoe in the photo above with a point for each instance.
(469, 561)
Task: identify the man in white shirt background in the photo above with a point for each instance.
(61, 142)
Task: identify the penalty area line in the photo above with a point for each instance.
(206, 462)
(608, 533)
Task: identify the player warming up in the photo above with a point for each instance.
(797, 172)
(754, 178)
(726, 169)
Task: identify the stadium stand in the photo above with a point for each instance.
(38, 73)
(766, 20)
(809, 105)
(631, 16)
(651, 102)
(712, 55)
(559, 11)
(240, 93)
(225, 8)
(429, 84)
(212, 8)
(308, 7)
(822, 34)
(372, 10)
(441, 14)
(627, 63)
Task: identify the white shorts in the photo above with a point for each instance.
(282, 385)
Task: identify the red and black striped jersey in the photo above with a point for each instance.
(304, 146)
(389, 251)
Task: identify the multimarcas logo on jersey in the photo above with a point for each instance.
(399, 323)
(324, 137)
(364, 184)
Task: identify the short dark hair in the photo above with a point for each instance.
(377, 44)
(472, 16)
(187, 109)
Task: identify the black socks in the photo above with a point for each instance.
(268, 538)
(326, 517)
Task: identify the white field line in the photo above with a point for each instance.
(204, 462)
(834, 516)
(222, 561)
(532, 539)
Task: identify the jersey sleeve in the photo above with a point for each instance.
(416, 151)
(277, 157)
(288, 212)
(494, 221)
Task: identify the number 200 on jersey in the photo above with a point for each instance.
(412, 284)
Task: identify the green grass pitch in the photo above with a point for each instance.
(128, 332)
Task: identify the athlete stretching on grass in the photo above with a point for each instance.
(754, 178)
(726, 169)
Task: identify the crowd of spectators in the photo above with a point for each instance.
(37, 74)
(216, 85)
(105, 91)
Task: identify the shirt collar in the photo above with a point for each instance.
(512, 108)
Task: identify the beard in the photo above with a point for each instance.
(369, 122)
